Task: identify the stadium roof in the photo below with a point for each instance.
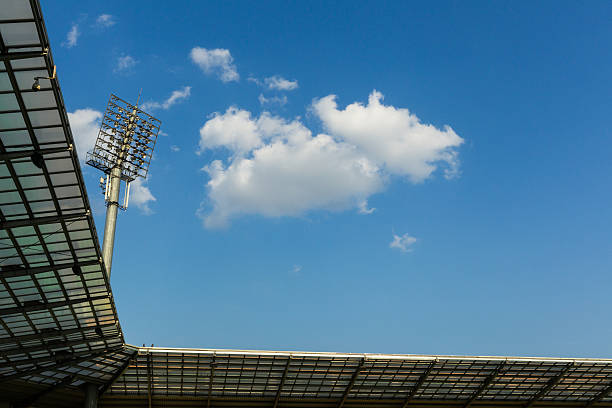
(59, 327)
(292, 379)
(58, 323)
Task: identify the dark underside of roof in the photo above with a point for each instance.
(59, 329)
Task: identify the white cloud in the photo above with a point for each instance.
(72, 36)
(175, 97)
(84, 124)
(392, 137)
(124, 63)
(296, 271)
(105, 20)
(403, 242)
(362, 207)
(279, 168)
(175, 148)
(278, 100)
(216, 61)
(235, 130)
(141, 196)
(280, 84)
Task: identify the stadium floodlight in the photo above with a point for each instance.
(123, 151)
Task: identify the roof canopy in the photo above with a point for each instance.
(58, 323)
(275, 379)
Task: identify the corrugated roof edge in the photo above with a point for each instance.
(367, 356)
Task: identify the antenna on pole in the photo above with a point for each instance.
(123, 151)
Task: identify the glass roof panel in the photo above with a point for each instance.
(28, 63)
(14, 34)
(5, 83)
(44, 117)
(16, 137)
(15, 9)
(11, 121)
(41, 99)
(46, 135)
(8, 102)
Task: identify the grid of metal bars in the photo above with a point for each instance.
(279, 378)
(127, 136)
(58, 322)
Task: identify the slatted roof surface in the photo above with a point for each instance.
(58, 323)
(264, 378)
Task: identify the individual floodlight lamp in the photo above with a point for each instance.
(123, 151)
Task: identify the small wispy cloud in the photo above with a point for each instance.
(105, 20)
(273, 100)
(296, 270)
(275, 83)
(403, 242)
(218, 61)
(176, 97)
(175, 148)
(125, 63)
(72, 37)
(279, 83)
(362, 207)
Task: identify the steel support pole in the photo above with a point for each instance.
(91, 396)
(111, 218)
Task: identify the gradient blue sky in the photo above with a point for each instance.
(512, 256)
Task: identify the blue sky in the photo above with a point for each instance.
(453, 198)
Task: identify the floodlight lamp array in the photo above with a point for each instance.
(126, 140)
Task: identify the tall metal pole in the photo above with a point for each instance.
(113, 198)
(111, 218)
(91, 396)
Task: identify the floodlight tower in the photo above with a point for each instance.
(122, 151)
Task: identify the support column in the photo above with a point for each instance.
(91, 396)
(111, 218)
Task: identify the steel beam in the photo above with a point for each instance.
(419, 383)
(37, 360)
(119, 373)
(59, 364)
(32, 400)
(351, 383)
(603, 394)
(149, 385)
(45, 334)
(9, 56)
(49, 345)
(490, 378)
(47, 305)
(4, 156)
(14, 272)
(282, 382)
(42, 220)
(210, 382)
(551, 383)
